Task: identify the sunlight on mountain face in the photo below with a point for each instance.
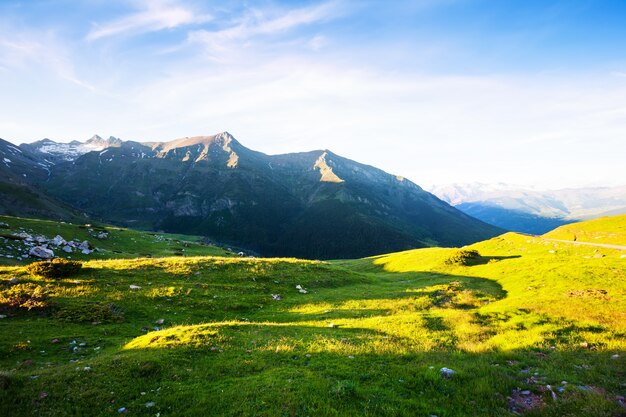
(327, 174)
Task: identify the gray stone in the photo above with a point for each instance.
(84, 245)
(41, 252)
(58, 241)
(40, 239)
(67, 249)
(446, 372)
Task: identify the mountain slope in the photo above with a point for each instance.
(311, 204)
(516, 220)
(605, 230)
(18, 170)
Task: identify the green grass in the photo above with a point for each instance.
(367, 338)
(120, 243)
(608, 230)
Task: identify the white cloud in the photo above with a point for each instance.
(38, 51)
(429, 128)
(155, 15)
(264, 23)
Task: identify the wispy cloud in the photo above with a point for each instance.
(154, 15)
(26, 51)
(257, 23)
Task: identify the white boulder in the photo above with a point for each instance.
(41, 252)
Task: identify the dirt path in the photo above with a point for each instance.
(575, 242)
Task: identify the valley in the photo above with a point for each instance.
(522, 325)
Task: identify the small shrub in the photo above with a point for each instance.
(56, 268)
(28, 296)
(90, 312)
(464, 257)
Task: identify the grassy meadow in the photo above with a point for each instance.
(608, 230)
(527, 326)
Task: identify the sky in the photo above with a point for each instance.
(439, 91)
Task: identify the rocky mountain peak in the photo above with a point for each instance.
(98, 141)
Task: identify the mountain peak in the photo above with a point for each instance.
(97, 140)
(220, 138)
(94, 138)
(326, 171)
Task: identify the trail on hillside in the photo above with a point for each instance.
(600, 245)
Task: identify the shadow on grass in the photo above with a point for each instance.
(250, 373)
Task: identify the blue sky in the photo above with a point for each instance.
(524, 92)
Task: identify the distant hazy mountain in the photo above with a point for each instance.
(532, 211)
(311, 204)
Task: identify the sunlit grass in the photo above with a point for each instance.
(366, 338)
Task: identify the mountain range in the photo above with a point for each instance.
(311, 204)
(532, 211)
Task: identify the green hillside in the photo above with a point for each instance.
(118, 243)
(606, 230)
(526, 325)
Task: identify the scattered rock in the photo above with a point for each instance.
(300, 289)
(55, 341)
(41, 252)
(58, 241)
(598, 255)
(333, 325)
(150, 404)
(616, 356)
(4, 225)
(14, 280)
(446, 372)
(84, 245)
(276, 297)
(160, 321)
(134, 287)
(102, 235)
(121, 410)
(3, 316)
(42, 395)
(520, 402)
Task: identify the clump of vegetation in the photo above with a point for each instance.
(56, 268)
(28, 296)
(91, 313)
(465, 257)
